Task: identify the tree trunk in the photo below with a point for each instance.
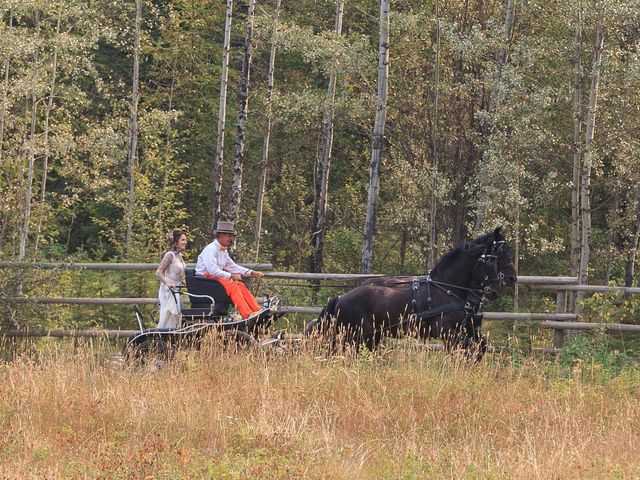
(45, 162)
(243, 105)
(3, 114)
(613, 218)
(222, 111)
(378, 139)
(133, 131)
(5, 91)
(633, 244)
(434, 144)
(517, 209)
(24, 231)
(577, 153)
(323, 163)
(502, 59)
(267, 135)
(585, 184)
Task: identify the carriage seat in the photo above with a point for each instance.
(205, 286)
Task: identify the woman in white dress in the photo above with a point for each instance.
(170, 273)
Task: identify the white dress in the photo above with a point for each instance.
(170, 271)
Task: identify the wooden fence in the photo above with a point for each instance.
(560, 321)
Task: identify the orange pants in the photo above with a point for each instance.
(240, 295)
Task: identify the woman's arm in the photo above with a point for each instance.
(162, 268)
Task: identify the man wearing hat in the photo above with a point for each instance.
(215, 262)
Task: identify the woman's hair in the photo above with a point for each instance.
(173, 237)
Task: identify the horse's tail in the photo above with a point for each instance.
(329, 310)
(327, 314)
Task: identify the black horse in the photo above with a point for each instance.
(447, 304)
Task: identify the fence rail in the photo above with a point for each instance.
(283, 308)
(68, 333)
(264, 267)
(612, 327)
(560, 321)
(107, 266)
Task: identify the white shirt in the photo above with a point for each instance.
(216, 261)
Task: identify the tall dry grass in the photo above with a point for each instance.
(401, 413)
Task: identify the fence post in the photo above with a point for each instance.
(560, 335)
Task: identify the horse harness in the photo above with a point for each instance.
(472, 304)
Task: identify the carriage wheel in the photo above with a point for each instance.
(152, 352)
(237, 341)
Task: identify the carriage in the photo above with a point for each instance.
(447, 304)
(207, 314)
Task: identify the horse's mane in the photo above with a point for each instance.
(466, 247)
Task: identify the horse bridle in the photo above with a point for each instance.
(497, 251)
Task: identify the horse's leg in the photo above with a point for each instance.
(377, 338)
(473, 346)
(450, 340)
(481, 348)
(370, 335)
(346, 335)
(474, 343)
(371, 340)
(456, 338)
(353, 324)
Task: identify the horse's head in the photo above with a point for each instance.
(499, 259)
(494, 267)
(485, 275)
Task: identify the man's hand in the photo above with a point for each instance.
(255, 273)
(236, 276)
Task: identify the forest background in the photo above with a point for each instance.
(515, 113)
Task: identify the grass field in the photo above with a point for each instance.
(401, 413)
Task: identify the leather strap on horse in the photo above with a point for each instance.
(430, 312)
(473, 306)
(442, 309)
(415, 289)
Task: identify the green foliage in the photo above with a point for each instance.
(592, 356)
(611, 307)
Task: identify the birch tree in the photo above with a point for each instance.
(243, 106)
(5, 89)
(47, 121)
(577, 150)
(133, 130)
(633, 243)
(31, 147)
(585, 183)
(434, 142)
(6, 64)
(267, 134)
(323, 162)
(366, 265)
(218, 160)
